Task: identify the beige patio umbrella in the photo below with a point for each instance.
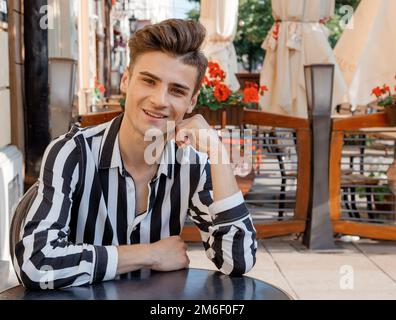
(366, 52)
(297, 38)
(220, 20)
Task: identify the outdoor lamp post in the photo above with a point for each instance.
(319, 79)
(61, 79)
(132, 24)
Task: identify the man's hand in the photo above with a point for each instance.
(169, 254)
(164, 255)
(195, 131)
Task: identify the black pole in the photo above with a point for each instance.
(319, 233)
(36, 84)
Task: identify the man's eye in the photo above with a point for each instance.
(149, 81)
(178, 92)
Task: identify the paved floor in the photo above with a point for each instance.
(361, 270)
(365, 269)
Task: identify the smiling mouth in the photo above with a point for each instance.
(154, 115)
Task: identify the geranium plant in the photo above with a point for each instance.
(384, 95)
(216, 94)
(98, 92)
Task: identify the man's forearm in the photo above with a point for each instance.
(133, 257)
(223, 179)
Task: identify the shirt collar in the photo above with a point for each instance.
(110, 155)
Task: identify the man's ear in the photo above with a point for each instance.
(194, 100)
(124, 81)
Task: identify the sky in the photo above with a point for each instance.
(181, 7)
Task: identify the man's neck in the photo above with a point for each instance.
(132, 148)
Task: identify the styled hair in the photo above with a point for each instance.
(176, 37)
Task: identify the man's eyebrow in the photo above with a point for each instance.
(179, 85)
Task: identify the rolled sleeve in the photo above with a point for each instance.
(112, 263)
(229, 209)
(105, 263)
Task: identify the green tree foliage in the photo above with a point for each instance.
(194, 13)
(334, 24)
(254, 21)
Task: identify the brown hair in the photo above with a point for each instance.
(176, 37)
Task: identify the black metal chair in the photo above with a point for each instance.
(18, 220)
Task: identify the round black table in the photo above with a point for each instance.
(187, 284)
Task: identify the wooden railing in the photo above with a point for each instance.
(354, 140)
(292, 219)
(288, 219)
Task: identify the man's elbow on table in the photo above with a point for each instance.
(32, 278)
(238, 261)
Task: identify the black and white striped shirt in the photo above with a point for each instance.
(85, 208)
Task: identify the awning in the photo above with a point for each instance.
(298, 37)
(366, 52)
(220, 20)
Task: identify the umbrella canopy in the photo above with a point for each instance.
(297, 38)
(366, 53)
(220, 20)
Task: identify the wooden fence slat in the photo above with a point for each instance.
(335, 175)
(303, 173)
(256, 117)
(360, 122)
(383, 232)
(92, 119)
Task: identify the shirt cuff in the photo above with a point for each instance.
(229, 209)
(112, 263)
(105, 263)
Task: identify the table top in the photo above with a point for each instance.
(187, 284)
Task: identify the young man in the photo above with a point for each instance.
(103, 209)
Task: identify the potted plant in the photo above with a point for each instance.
(97, 95)
(388, 101)
(217, 102)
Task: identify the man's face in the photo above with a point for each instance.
(159, 90)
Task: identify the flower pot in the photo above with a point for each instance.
(390, 112)
(247, 77)
(226, 116)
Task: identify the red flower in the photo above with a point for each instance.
(250, 94)
(102, 89)
(263, 88)
(215, 70)
(385, 89)
(221, 92)
(377, 92)
(249, 84)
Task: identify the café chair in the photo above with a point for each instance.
(18, 220)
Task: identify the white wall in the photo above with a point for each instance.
(5, 112)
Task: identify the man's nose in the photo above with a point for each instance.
(159, 97)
